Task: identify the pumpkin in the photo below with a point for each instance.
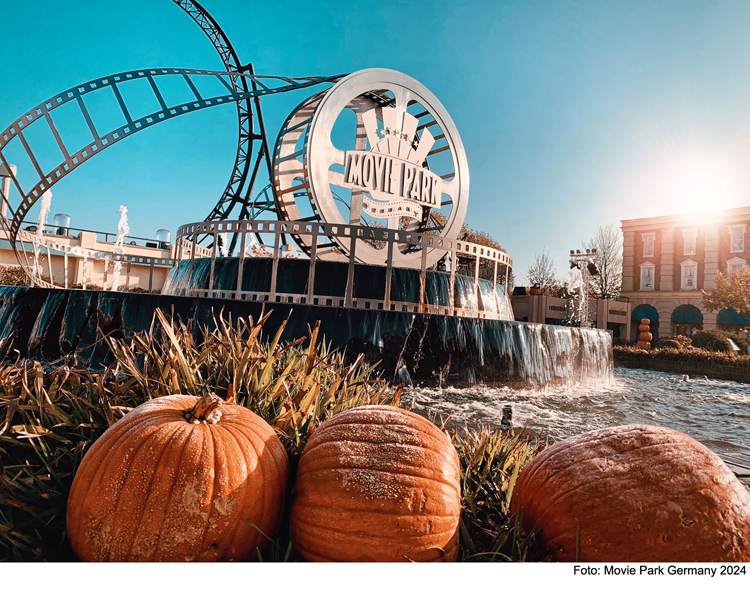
(175, 480)
(635, 493)
(377, 483)
(644, 328)
(645, 337)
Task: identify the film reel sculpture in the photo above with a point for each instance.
(400, 162)
(387, 174)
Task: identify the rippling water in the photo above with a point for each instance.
(715, 412)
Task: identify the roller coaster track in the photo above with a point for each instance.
(70, 160)
(233, 194)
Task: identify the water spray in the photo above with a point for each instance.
(223, 240)
(122, 230)
(43, 213)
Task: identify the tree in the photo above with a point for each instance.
(467, 234)
(731, 291)
(608, 283)
(542, 272)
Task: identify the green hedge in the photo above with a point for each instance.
(718, 340)
(682, 356)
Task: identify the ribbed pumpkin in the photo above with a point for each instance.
(636, 493)
(174, 480)
(377, 483)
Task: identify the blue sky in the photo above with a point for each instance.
(573, 114)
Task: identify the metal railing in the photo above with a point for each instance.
(463, 258)
(54, 230)
(29, 244)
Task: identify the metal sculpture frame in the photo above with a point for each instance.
(233, 193)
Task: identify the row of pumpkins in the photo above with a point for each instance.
(185, 478)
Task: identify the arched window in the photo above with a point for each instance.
(734, 265)
(686, 320)
(644, 311)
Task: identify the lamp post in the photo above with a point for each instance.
(586, 263)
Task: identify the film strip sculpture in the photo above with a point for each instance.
(101, 140)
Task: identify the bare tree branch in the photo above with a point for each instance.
(608, 283)
(542, 272)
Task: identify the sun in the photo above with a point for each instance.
(702, 187)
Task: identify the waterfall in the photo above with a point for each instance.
(494, 351)
(542, 353)
(369, 282)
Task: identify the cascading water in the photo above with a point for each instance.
(534, 354)
(369, 282)
(122, 230)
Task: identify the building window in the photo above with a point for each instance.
(689, 274)
(737, 238)
(689, 239)
(734, 265)
(647, 277)
(648, 244)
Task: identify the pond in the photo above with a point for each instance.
(715, 412)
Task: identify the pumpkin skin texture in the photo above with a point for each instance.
(377, 484)
(640, 493)
(156, 487)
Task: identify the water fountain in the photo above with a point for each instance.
(39, 233)
(122, 230)
(379, 261)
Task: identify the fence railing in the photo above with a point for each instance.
(272, 239)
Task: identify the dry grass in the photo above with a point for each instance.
(49, 415)
(13, 275)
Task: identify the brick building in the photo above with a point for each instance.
(667, 260)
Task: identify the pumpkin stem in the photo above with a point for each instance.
(207, 409)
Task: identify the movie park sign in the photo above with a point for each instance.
(391, 172)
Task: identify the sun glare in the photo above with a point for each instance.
(702, 188)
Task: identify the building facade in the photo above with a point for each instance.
(668, 260)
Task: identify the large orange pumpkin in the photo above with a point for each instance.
(175, 480)
(636, 493)
(377, 483)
